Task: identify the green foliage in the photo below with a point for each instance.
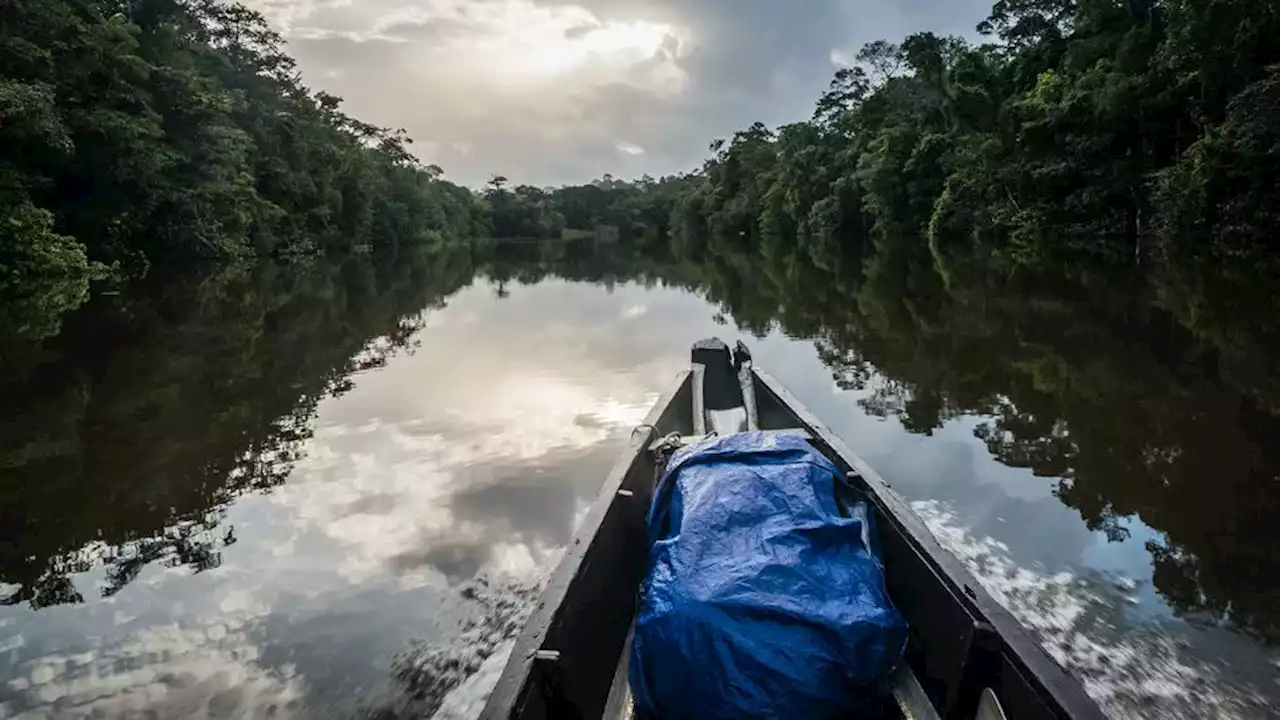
(33, 251)
(171, 130)
(1219, 199)
(525, 212)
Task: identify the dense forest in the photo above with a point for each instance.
(135, 132)
(1089, 136)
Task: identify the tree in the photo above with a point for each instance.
(848, 88)
(883, 58)
(166, 130)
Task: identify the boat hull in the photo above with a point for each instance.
(570, 660)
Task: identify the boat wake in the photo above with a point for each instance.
(1145, 672)
(452, 678)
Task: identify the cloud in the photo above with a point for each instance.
(554, 91)
(486, 471)
(842, 58)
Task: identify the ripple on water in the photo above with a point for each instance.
(453, 677)
(165, 671)
(1147, 671)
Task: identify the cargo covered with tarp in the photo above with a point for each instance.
(764, 594)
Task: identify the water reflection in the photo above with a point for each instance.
(245, 491)
(129, 440)
(274, 493)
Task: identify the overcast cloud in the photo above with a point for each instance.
(548, 92)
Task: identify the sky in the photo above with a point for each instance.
(551, 92)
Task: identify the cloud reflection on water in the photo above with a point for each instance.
(476, 453)
(479, 453)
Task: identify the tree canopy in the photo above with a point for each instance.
(169, 130)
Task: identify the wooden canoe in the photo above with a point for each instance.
(967, 656)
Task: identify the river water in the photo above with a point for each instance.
(283, 492)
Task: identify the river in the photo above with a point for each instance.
(293, 491)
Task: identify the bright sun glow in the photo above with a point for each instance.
(519, 43)
(503, 43)
(462, 73)
(555, 53)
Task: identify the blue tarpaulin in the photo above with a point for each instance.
(762, 598)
